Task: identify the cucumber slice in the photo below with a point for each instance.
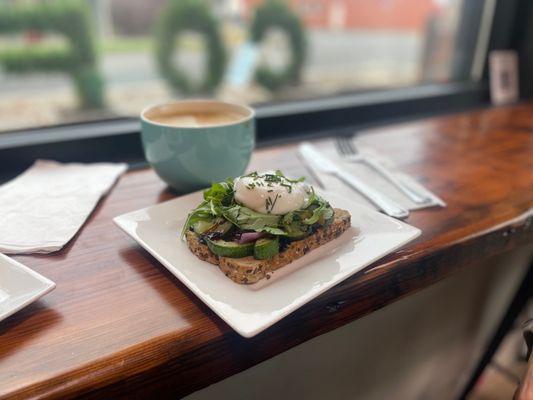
(296, 232)
(219, 226)
(266, 248)
(328, 221)
(201, 227)
(297, 236)
(222, 228)
(223, 248)
(327, 217)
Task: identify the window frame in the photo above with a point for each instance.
(118, 139)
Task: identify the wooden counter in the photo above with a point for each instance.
(120, 325)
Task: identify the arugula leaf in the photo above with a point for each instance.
(288, 218)
(320, 210)
(316, 213)
(246, 218)
(220, 194)
(216, 199)
(274, 231)
(201, 213)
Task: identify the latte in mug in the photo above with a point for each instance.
(195, 118)
(193, 143)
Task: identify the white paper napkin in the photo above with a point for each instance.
(43, 208)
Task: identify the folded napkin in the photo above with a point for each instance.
(43, 208)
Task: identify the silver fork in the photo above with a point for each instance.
(349, 152)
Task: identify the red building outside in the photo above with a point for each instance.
(405, 15)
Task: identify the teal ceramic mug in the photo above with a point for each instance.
(193, 143)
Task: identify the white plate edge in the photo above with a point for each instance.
(171, 269)
(50, 285)
(296, 306)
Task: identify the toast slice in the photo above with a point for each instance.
(248, 270)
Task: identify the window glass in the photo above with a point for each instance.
(72, 61)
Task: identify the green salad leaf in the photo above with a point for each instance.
(216, 199)
(317, 210)
(248, 219)
(201, 213)
(219, 201)
(220, 194)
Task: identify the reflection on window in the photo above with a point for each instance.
(70, 61)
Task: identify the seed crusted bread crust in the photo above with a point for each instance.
(248, 270)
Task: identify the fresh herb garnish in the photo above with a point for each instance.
(269, 203)
(289, 187)
(274, 203)
(253, 174)
(271, 178)
(279, 173)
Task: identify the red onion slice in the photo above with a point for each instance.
(247, 237)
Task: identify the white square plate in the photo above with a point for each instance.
(249, 309)
(19, 286)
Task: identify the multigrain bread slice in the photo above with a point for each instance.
(248, 270)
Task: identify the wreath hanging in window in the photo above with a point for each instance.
(181, 16)
(275, 14)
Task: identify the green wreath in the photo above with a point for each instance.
(276, 14)
(79, 59)
(190, 15)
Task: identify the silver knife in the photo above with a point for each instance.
(320, 162)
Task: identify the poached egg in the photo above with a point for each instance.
(271, 193)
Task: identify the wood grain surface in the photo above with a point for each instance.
(119, 325)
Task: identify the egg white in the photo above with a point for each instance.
(266, 197)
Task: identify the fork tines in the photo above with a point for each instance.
(345, 146)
